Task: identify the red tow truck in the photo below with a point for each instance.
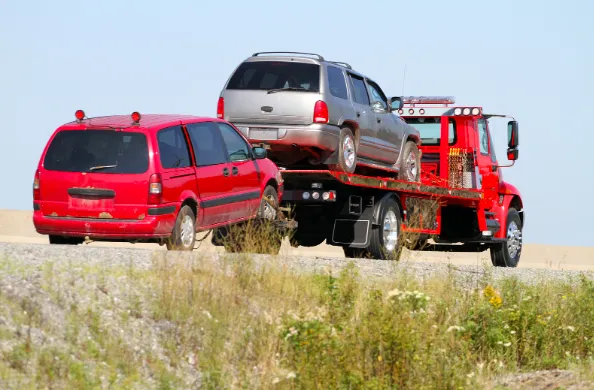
(461, 204)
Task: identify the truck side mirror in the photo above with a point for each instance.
(512, 154)
(512, 135)
(396, 103)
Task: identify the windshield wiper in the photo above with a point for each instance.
(102, 167)
(287, 89)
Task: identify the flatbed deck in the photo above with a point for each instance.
(383, 183)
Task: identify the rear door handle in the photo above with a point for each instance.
(358, 114)
(378, 120)
(234, 171)
(225, 171)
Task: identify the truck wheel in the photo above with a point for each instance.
(508, 254)
(385, 239)
(183, 235)
(410, 167)
(347, 153)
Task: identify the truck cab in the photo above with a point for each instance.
(458, 152)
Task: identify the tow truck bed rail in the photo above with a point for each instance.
(384, 184)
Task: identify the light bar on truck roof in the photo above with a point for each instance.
(428, 100)
(440, 111)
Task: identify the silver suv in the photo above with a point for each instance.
(306, 110)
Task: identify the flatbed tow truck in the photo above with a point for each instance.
(461, 204)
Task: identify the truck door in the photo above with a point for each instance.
(486, 158)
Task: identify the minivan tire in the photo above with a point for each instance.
(410, 165)
(346, 137)
(183, 236)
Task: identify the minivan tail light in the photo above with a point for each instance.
(155, 189)
(221, 108)
(320, 112)
(36, 188)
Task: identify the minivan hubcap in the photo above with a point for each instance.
(187, 231)
(390, 231)
(269, 211)
(348, 150)
(514, 239)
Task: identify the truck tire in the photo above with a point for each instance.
(385, 242)
(410, 165)
(508, 254)
(354, 253)
(183, 235)
(346, 151)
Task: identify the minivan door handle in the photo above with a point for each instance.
(225, 171)
(234, 171)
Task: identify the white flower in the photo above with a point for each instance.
(455, 327)
(507, 344)
(570, 328)
(513, 332)
(291, 375)
(206, 313)
(470, 375)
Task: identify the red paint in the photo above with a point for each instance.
(118, 205)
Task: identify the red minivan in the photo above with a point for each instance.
(155, 178)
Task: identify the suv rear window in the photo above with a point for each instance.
(265, 75)
(102, 151)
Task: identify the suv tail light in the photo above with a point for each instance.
(36, 190)
(155, 189)
(320, 112)
(221, 108)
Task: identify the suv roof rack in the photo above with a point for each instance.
(341, 63)
(288, 52)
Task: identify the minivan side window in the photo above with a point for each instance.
(237, 148)
(337, 83)
(173, 148)
(207, 143)
(359, 89)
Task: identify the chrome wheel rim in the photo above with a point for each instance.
(514, 239)
(390, 231)
(187, 231)
(411, 165)
(348, 151)
(269, 211)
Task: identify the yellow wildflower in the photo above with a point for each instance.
(493, 296)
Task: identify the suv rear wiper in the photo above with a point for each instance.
(287, 89)
(102, 167)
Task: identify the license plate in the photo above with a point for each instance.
(263, 134)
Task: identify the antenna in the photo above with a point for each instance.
(403, 78)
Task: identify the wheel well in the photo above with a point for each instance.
(193, 205)
(273, 183)
(413, 138)
(355, 129)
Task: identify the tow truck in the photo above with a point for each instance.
(461, 204)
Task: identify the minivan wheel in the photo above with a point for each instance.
(410, 167)
(183, 235)
(347, 152)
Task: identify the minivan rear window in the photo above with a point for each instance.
(101, 151)
(266, 75)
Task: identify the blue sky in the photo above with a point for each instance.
(530, 59)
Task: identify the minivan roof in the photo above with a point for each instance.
(146, 120)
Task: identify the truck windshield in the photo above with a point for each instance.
(430, 129)
(276, 75)
(100, 151)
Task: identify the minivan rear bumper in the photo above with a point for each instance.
(152, 226)
(315, 135)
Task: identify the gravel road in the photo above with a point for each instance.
(38, 254)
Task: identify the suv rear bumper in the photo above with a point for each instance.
(157, 226)
(315, 135)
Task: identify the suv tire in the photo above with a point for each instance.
(410, 165)
(347, 151)
(183, 235)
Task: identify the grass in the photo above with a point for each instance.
(238, 323)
